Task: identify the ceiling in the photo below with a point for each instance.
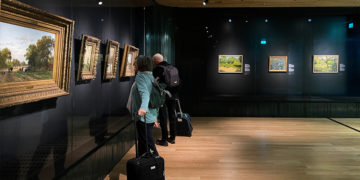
(260, 3)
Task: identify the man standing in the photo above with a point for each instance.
(167, 74)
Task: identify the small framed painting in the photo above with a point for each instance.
(111, 59)
(278, 64)
(88, 57)
(326, 64)
(127, 65)
(230, 64)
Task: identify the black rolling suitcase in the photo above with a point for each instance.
(183, 123)
(145, 167)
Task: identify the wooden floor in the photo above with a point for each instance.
(261, 148)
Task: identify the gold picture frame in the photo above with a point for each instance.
(231, 64)
(111, 59)
(22, 16)
(88, 59)
(326, 64)
(127, 65)
(278, 63)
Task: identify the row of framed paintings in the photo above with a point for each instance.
(89, 54)
(321, 64)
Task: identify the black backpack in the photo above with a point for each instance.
(171, 75)
(157, 95)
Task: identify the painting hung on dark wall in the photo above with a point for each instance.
(88, 58)
(326, 64)
(111, 59)
(127, 65)
(278, 64)
(35, 54)
(230, 64)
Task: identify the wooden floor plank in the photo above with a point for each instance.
(260, 148)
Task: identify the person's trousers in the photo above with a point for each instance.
(140, 126)
(168, 111)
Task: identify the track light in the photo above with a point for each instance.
(100, 2)
(205, 2)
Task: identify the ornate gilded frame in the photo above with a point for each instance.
(95, 43)
(115, 60)
(17, 13)
(280, 70)
(127, 67)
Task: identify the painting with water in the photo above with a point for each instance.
(278, 64)
(230, 64)
(25, 54)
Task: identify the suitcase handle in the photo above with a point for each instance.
(178, 102)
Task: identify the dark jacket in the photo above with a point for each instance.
(159, 72)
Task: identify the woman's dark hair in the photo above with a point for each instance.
(144, 63)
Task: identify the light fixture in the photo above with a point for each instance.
(100, 2)
(263, 41)
(205, 2)
(309, 20)
(230, 20)
(266, 20)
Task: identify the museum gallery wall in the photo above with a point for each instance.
(41, 133)
(236, 56)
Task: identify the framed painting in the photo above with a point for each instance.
(111, 59)
(127, 65)
(35, 54)
(230, 64)
(278, 64)
(88, 58)
(326, 64)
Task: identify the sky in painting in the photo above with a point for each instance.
(18, 39)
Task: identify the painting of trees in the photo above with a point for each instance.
(5, 56)
(40, 55)
(230, 63)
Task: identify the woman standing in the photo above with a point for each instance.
(140, 104)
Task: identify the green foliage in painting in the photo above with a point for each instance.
(230, 63)
(39, 55)
(5, 57)
(325, 64)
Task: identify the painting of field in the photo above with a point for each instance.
(230, 64)
(326, 64)
(25, 54)
(278, 64)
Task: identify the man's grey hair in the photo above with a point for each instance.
(158, 57)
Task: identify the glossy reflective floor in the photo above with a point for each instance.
(261, 148)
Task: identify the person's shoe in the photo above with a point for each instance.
(171, 141)
(161, 142)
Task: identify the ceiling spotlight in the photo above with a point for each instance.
(100, 2)
(205, 2)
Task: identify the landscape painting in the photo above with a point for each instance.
(326, 64)
(25, 54)
(278, 64)
(111, 59)
(127, 65)
(230, 64)
(88, 58)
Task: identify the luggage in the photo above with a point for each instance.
(145, 167)
(183, 123)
